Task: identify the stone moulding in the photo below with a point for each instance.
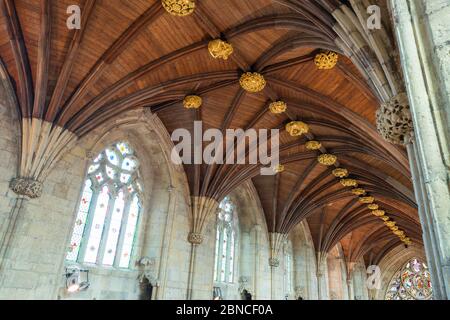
(43, 144)
(202, 208)
(276, 244)
(26, 187)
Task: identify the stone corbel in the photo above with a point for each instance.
(276, 243)
(274, 262)
(394, 120)
(195, 238)
(26, 187)
(43, 144)
(202, 208)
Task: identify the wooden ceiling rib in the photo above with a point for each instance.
(134, 54)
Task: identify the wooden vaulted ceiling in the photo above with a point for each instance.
(133, 54)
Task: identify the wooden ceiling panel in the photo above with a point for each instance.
(133, 54)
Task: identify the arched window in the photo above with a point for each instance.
(412, 282)
(225, 242)
(108, 212)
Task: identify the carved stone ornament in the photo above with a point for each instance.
(252, 82)
(220, 49)
(327, 159)
(26, 187)
(148, 272)
(373, 206)
(195, 238)
(297, 128)
(326, 60)
(179, 8)
(313, 145)
(358, 191)
(243, 283)
(390, 224)
(274, 262)
(299, 291)
(349, 182)
(192, 102)
(384, 218)
(394, 121)
(366, 200)
(278, 107)
(278, 168)
(378, 213)
(340, 173)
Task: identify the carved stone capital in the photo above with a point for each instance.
(195, 238)
(394, 120)
(26, 187)
(274, 262)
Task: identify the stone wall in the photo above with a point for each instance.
(9, 151)
(359, 281)
(34, 263)
(305, 279)
(337, 274)
(423, 36)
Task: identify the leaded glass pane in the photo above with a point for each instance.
(225, 242)
(216, 254)
(97, 226)
(130, 233)
(231, 259)
(413, 282)
(114, 229)
(80, 222)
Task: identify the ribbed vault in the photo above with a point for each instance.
(133, 54)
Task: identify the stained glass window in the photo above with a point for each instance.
(225, 242)
(412, 282)
(108, 212)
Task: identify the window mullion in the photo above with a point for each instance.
(88, 227)
(105, 232)
(219, 264)
(228, 255)
(123, 228)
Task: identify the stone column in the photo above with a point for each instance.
(202, 209)
(321, 273)
(256, 278)
(276, 244)
(351, 295)
(423, 34)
